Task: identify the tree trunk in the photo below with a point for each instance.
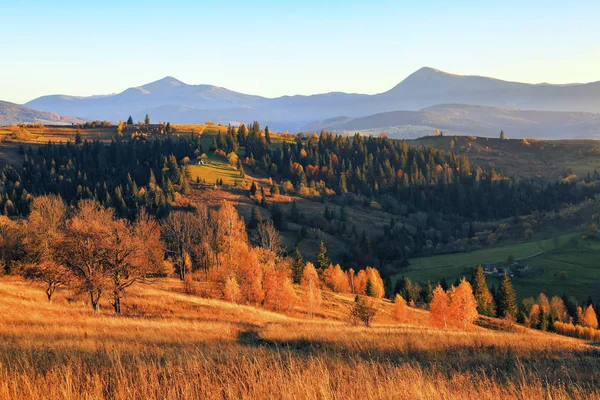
(50, 291)
(117, 303)
(95, 299)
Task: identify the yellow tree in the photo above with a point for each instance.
(288, 295)
(463, 305)
(311, 286)
(334, 278)
(589, 318)
(360, 282)
(231, 233)
(439, 308)
(231, 291)
(376, 281)
(400, 309)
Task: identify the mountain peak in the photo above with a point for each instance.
(165, 83)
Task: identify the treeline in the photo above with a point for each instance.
(126, 175)
(558, 314)
(407, 179)
(95, 252)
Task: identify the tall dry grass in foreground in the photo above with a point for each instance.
(173, 346)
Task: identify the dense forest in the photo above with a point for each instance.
(436, 197)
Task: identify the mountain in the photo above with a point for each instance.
(11, 113)
(171, 100)
(469, 120)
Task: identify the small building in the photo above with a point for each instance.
(505, 271)
(490, 269)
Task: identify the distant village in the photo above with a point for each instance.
(515, 268)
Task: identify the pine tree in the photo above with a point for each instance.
(322, 259)
(427, 293)
(297, 267)
(169, 128)
(130, 120)
(507, 298)
(147, 120)
(502, 135)
(255, 218)
(267, 135)
(253, 189)
(485, 301)
(369, 289)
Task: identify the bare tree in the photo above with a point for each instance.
(84, 248)
(43, 231)
(179, 231)
(135, 251)
(267, 237)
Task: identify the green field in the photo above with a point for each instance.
(547, 258)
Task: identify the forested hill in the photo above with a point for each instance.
(431, 199)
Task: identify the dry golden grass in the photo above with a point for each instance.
(169, 345)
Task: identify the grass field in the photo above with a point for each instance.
(539, 158)
(44, 134)
(579, 261)
(213, 170)
(169, 345)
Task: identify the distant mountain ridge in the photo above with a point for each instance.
(11, 114)
(169, 99)
(469, 120)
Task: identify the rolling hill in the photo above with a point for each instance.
(178, 102)
(469, 120)
(11, 113)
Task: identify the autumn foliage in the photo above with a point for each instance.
(400, 309)
(457, 308)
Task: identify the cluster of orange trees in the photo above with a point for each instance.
(456, 307)
(89, 249)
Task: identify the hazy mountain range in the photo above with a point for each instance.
(11, 113)
(469, 120)
(172, 100)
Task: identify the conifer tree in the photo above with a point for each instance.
(369, 290)
(322, 260)
(130, 120)
(485, 301)
(147, 120)
(427, 293)
(507, 298)
(297, 267)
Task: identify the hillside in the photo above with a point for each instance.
(169, 99)
(168, 345)
(12, 114)
(461, 119)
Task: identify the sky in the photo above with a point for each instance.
(274, 48)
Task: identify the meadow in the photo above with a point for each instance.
(559, 265)
(169, 345)
(547, 159)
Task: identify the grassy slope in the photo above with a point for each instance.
(547, 159)
(169, 346)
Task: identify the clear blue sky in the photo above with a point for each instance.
(274, 48)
